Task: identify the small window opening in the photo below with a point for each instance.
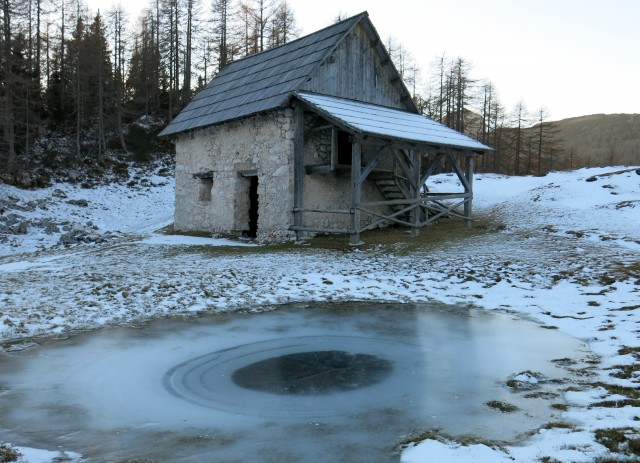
(344, 148)
(206, 184)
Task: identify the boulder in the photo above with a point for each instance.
(79, 202)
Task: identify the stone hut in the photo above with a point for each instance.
(319, 135)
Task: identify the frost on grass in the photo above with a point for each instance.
(556, 249)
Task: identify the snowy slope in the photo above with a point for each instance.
(568, 258)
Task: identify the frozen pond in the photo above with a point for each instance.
(306, 382)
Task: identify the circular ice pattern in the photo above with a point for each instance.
(300, 376)
(313, 373)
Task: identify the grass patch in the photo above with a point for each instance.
(626, 371)
(541, 395)
(392, 240)
(561, 407)
(626, 308)
(400, 242)
(504, 407)
(559, 425)
(624, 272)
(616, 403)
(630, 392)
(635, 351)
(434, 434)
(8, 454)
(619, 440)
(420, 436)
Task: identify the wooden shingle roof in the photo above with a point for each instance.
(262, 81)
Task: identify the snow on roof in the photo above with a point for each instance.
(370, 119)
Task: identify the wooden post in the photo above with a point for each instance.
(298, 168)
(469, 190)
(334, 148)
(356, 167)
(415, 190)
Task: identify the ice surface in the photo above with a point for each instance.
(116, 393)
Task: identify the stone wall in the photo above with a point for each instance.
(212, 183)
(211, 193)
(333, 190)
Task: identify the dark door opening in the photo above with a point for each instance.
(253, 207)
(344, 148)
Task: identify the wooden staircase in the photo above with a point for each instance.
(391, 191)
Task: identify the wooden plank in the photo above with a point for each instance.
(415, 189)
(459, 172)
(468, 205)
(356, 167)
(248, 173)
(334, 148)
(372, 165)
(319, 230)
(325, 211)
(404, 163)
(432, 165)
(318, 169)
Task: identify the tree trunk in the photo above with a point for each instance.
(9, 128)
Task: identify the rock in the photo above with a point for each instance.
(23, 228)
(79, 202)
(49, 227)
(79, 234)
(58, 193)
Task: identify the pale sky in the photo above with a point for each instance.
(574, 57)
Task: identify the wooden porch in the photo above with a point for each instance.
(408, 201)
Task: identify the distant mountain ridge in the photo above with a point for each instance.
(601, 139)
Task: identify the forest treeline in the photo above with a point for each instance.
(77, 85)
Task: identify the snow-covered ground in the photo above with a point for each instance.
(568, 257)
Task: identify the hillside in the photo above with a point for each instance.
(601, 139)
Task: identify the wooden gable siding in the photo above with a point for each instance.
(355, 70)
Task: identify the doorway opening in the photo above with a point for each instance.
(253, 207)
(344, 148)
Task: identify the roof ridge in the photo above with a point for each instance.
(258, 69)
(319, 31)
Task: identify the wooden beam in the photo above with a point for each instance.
(432, 165)
(468, 209)
(459, 173)
(298, 167)
(321, 127)
(334, 148)
(406, 167)
(415, 189)
(248, 173)
(319, 230)
(356, 167)
(372, 165)
(325, 211)
(318, 169)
